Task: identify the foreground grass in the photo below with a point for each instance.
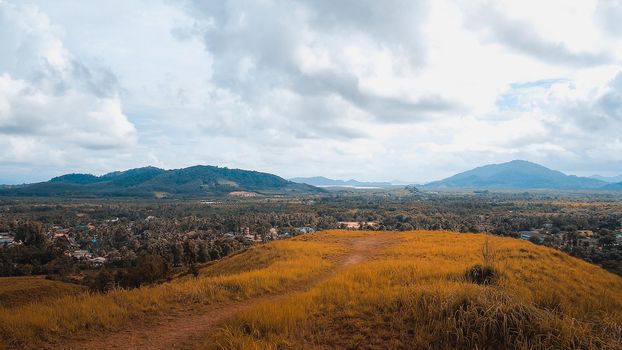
(258, 271)
(19, 291)
(415, 296)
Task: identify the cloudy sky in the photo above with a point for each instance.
(373, 90)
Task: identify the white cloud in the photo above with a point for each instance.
(50, 102)
(374, 90)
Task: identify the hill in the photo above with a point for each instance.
(610, 179)
(321, 181)
(194, 181)
(613, 187)
(517, 174)
(19, 291)
(349, 290)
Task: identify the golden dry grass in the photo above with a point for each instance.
(19, 291)
(415, 296)
(286, 264)
(411, 294)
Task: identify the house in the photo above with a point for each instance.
(272, 233)
(305, 229)
(81, 254)
(528, 235)
(6, 238)
(585, 233)
(59, 234)
(97, 262)
(252, 238)
(349, 225)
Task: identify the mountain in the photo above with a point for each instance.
(613, 187)
(326, 182)
(517, 174)
(611, 179)
(194, 181)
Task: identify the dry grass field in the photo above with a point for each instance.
(348, 290)
(414, 295)
(19, 291)
(259, 271)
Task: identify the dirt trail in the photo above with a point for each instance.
(171, 331)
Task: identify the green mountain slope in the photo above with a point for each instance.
(194, 181)
(517, 174)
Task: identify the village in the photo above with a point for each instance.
(81, 241)
(74, 238)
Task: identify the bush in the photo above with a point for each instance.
(482, 274)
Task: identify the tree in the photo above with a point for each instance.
(104, 281)
(202, 254)
(194, 270)
(31, 234)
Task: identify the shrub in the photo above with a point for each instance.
(482, 274)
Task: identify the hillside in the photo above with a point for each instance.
(321, 181)
(614, 187)
(349, 290)
(19, 291)
(194, 181)
(610, 179)
(517, 174)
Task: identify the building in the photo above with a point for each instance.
(6, 238)
(243, 194)
(529, 235)
(349, 225)
(273, 233)
(59, 234)
(305, 229)
(585, 233)
(97, 262)
(252, 238)
(81, 254)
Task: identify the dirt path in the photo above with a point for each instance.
(177, 327)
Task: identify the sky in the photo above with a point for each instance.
(415, 90)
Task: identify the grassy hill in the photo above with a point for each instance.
(194, 181)
(346, 290)
(19, 291)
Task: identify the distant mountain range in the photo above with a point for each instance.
(613, 187)
(321, 181)
(194, 181)
(610, 179)
(200, 180)
(517, 174)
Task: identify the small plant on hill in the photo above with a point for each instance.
(482, 274)
(485, 273)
